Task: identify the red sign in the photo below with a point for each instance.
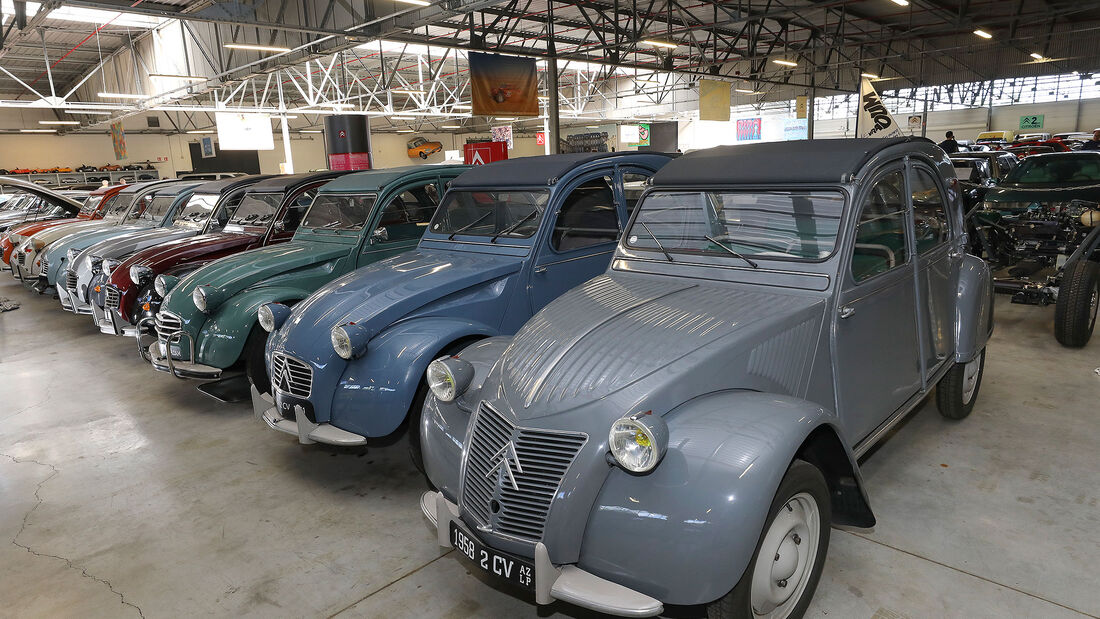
(349, 161)
(540, 138)
(484, 152)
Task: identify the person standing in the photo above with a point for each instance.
(950, 145)
(1094, 143)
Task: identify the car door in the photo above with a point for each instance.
(402, 222)
(877, 348)
(585, 227)
(937, 263)
(291, 216)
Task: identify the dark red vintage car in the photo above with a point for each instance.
(269, 213)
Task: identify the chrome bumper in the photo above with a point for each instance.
(567, 583)
(163, 362)
(110, 323)
(72, 302)
(301, 427)
(65, 297)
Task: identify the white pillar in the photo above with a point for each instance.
(288, 167)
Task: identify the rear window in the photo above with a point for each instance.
(1056, 170)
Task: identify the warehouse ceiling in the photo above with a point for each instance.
(407, 58)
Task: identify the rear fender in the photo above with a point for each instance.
(973, 308)
(223, 336)
(685, 532)
(376, 390)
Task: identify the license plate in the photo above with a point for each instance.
(176, 354)
(504, 566)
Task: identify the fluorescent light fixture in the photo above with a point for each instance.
(59, 122)
(405, 131)
(202, 131)
(169, 76)
(900, 2)
(870, 76)
(543, 98)
(340, 106)
(121, 95)
(311, 131)
(656, 43)
(38, 131)
(983, 34)
(103, 112)
(591, 126)
(450, 126)
(101, 17)
(785, 63)
(256, 48)
(1037, 56)
(416, 2)
(407, 91)
(504, 117)
(746, 91)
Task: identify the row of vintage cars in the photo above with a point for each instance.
(632, 379)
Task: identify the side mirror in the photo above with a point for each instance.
(380, 235)
(280, 226)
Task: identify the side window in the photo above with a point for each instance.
(880, 233)
(228, 209)
(929, 213)
(633, 186)
(588, 216)
(406, 216)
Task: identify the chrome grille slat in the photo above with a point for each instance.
(45, 265)
(291, 375)
(544, 458)
(167, 324)
(111, 298)
(70, 281)
(22, 259)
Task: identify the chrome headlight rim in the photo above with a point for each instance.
(638, 442)
(72, 255)
(198, 297)
(140, 274)
(448, 377)
(341, 342)
(163, 284)
(109, 265)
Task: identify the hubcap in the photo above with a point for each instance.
(786, 558)
(970, 377)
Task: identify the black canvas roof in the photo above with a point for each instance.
(796, 161)
(529, 170)
(283, 182)
(223, 185)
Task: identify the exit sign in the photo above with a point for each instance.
(1031, 122)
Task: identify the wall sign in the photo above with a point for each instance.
(1034, 121)
(749, 129)
(540, 138)
(207, 147)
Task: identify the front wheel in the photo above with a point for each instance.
(957, 391)
(781, 579)
(254, 364)
(1078, 299)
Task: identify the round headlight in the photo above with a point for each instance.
(341, 343)
(109, 265)
(199, 298)
(72, 255)
(163, 284)
(448, 377)
(638, 441)
(267, 319)
(140, 274)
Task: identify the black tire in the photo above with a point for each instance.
(423, 155)
(254, 364)
(1078, 299)
(802, 478)
(951, 391)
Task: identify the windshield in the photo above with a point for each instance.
(90, 205)
(197, 211)
(801, 225)
(971, 170)
(515, 214)
(155, 210)
(339, 212)
(256, 209)
(1056, 170)
(122, 203)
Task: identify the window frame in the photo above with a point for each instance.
(369, 242)
(902, 167)
(616, 197)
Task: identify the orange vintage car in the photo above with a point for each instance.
(419, 147)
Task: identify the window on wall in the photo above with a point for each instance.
(880, 234)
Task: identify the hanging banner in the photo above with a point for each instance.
(749, 129)
(244, 131)
(503, 85)
(714, 100)
(800, 106)
(796, 129)
(118, 140)
(502, 134)
(207, 147)
(873, 119)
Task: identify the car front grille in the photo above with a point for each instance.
(537, 461)
(45, 266)
(22, 259)
(70, 281)
(290, 375)
(167, 325)
(110, 297)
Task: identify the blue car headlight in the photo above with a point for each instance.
(349, 340)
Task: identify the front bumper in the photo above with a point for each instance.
(110, 323)
(271, 411)
(567, 583)
(163, 362)
(71, 302)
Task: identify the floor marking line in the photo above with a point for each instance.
(389, 584)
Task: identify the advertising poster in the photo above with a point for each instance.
(207, 147)
(244, 131)
(873, 119)
(502, 134)
(800, 103)
(503, 85)
(714, 100)
(796, 129)
(749, 129)
(118, 140)
(634, 135)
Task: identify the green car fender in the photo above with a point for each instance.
(223, 336)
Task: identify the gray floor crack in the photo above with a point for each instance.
(68, 562)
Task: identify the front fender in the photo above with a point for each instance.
(973, 308)
(443, 424)
(685, 532)
(376, 390)
(222, 337)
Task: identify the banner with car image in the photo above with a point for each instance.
(503, 85)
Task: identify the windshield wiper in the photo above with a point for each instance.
(469, 225)
(654, 237)
(512, 227)
(731, 250)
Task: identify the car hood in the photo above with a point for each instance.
(127, 242)
(377, 295)
(1011, 193)
(50, 235)
(169, 254)
(660, 338)
(34, 227)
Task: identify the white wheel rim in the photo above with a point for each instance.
(786, 558)
(970, 377)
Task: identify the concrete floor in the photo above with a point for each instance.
(124, 492)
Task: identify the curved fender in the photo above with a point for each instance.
(376, 390)
(443, 424)
(685, 532)
(973, 308)
(222, 337)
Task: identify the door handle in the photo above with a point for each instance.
(955, 253)
(846, 311)
(540, 269)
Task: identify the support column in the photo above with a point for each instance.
(553, 124)
(810, 112)
(288, 167)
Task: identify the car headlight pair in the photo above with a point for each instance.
(272, 316)
(163, 284)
